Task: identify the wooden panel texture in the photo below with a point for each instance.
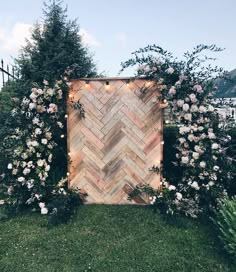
(114, 146)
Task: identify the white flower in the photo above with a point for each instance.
(216, 167)
(195, 155)
(180, 102)
(183, 130)
(41, 204)
(188, 116)
(198, 88)
(198, 149)
(32, 105)
(34, 143)
(2, 202)
(35, 120)
(39, 91)
(170, 70)
(215, 146)
(26, 171)
(193, 98)
(40, 163)
(9, 166)
(202, 109)
(211, 183)
(191, 137)
(211, 108)
(200, 128)
(171, 188)
(44, 210)
(194, 108)
(38, 131)
(211, 135)
(179, 196)
(52, 108)
(14, 172)
(50, 92)
(60, 124)
(203, 164)
(48, 135)
(44, 141)
(195, 185)
(185, 107)
(47, 168)
(182, 140)
(185, 159)
(50, 158)
(21, 179)
(33, 96)
(45, 82)
(172, 91)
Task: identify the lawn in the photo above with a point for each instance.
(111, 239)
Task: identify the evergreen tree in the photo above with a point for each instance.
(55, 46)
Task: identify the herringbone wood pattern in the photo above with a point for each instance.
(113, 148)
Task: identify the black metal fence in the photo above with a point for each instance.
(7, 73)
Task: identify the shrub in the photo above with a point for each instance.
(226, 223)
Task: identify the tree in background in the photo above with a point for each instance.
(55, 46)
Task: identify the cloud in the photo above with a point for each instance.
(88, 38)
(121, 37)
(13, 37)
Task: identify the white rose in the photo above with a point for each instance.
(32, 105)
(171, 188)
(211, 183)
(216, 167)
(211, 135)
(21, 179)
(47, 168)
(211, 108)
(195, 155)
(179, 196)
(194, 108)
(9, 166)
(182, 140)
(26, 171)
(38, 131)
(200, 128)
(215, 146)
(185, 159)
(188, 116)
(40, 163)
(202, 109)
(34, 143)
(185, 107)
(195, 185)
(180, 102)
(202, 164)
(44, 211)
(191, 137)
(44, 141)
(41, 204)
(172, 91)
(50, 91)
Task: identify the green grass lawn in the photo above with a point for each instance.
(111, 239)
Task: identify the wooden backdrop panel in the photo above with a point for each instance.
(114, 146)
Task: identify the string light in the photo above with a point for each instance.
(62, 135)
(167, 121)
(127, 83)
(70, 95)
(68, 174)
(162, 142)
(148, 83)
(86, 83)
(164, 101)
(68, 153)
(66, 116)
(107, 85)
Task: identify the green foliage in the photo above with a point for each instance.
(226, 223)
(105, 238)
(55, 46)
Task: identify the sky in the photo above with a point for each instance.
(114, 29)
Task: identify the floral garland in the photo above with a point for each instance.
(202, 143)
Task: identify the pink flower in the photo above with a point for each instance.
(172, 91)
(198, 88)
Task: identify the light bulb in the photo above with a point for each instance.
(66, 116)
(68, 153)
(67, 173)
(62, 135)
(162, 142)
(107, 85)
(70, 95)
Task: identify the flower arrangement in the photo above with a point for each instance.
(33, 151)
(188, 86)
